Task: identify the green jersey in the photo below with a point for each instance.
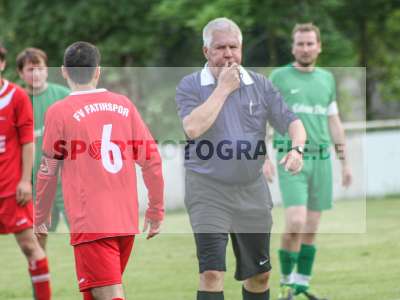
(41, 103)
(312, 97)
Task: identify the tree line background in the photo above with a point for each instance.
(167, 33)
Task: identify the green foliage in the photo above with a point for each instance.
(390, 60)
(167, 33)
(373, 27)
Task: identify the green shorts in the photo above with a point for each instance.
(312, 187)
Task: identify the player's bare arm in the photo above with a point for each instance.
(339, 141)
(24, 187)
(202, 117)
(293, 160)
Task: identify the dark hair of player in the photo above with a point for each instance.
(32, 55)
(3, 52)
(80, 61)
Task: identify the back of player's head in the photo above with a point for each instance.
(306, 27)
(80, 61)
(3, 52)
(34, 56)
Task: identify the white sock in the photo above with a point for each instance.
(301, 279)
(287, 279)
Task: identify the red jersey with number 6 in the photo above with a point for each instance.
(16, 129)
(99, 136)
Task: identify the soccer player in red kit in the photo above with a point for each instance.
(96, 136)
(16, 160)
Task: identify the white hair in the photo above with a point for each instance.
(219, 24)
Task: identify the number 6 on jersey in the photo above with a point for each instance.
(113, 165)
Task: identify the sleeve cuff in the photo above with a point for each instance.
(155, 214)
(333, 109)
(26, 140)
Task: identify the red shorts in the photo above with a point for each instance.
(13, 217)
(102, 262)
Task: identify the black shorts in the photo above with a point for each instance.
(251, 252)
(217, 210)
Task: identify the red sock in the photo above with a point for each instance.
(117, 299)
(87, 295)
(40, 276)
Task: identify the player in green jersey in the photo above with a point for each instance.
(33, 70)
(311, 93)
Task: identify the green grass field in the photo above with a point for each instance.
(362, 264)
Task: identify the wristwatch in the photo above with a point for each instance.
(299, 149)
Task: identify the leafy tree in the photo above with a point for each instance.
(165, 33)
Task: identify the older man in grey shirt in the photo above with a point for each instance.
(224, 111)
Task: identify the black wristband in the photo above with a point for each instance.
(299, 149)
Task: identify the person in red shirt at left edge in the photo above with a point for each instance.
(16, 160)
(96, 136)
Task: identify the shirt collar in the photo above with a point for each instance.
(207, 78)
(4, 87)
(87, 92)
